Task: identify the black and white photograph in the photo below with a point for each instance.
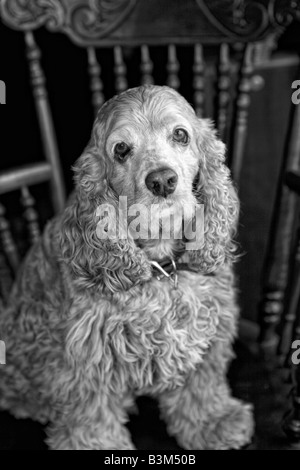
(149, 227)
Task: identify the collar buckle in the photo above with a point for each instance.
(172, 276)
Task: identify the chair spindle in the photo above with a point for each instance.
(45, 119)
(146, 66)
(199, 80)
(120, 70)
(224, 91)
(30, 214)
(172, 68)
(8, 244)
(243, 103)
(96, 84)
(6, 280)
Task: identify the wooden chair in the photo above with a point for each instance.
(238, 34)
(20, 179)
(289, 343)
(277, 313)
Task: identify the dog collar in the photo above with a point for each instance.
(165, 269)
(168, 269)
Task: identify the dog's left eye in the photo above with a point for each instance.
(121, 150)
(181, 136)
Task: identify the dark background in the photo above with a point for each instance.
(65, 66)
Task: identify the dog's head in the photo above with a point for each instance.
(149, 150)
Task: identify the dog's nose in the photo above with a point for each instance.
(162, 182)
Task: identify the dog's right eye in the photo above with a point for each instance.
(121, 150)
(181, 136)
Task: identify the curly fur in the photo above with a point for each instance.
(89, 328)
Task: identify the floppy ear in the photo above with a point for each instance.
(113, 264)
(215, 190)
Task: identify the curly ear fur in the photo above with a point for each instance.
(96, 263)
(221, 205)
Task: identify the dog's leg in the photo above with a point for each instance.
(202, 414)
(92, 426)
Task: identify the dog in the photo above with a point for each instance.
(96, 319)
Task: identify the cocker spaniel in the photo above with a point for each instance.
(96, 319)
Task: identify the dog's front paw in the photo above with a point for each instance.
(232, 430)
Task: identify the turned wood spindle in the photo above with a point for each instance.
(6, 280)
(45, 119)
(120, 70)
(199, 80)
(224, 90)
(96, 84)
(9, 247)
(30, 214)
(243, 103)
(146, 66)
(172, 68)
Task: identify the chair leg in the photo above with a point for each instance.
(270, 312)
(290, 317)
(291, 423)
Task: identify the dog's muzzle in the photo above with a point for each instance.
(162, 182)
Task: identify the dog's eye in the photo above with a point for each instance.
(121, 150)
(181, 136)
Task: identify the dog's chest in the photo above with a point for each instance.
(157, 336)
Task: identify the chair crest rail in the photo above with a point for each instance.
(134, 22)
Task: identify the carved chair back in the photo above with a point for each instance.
(217, 43)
